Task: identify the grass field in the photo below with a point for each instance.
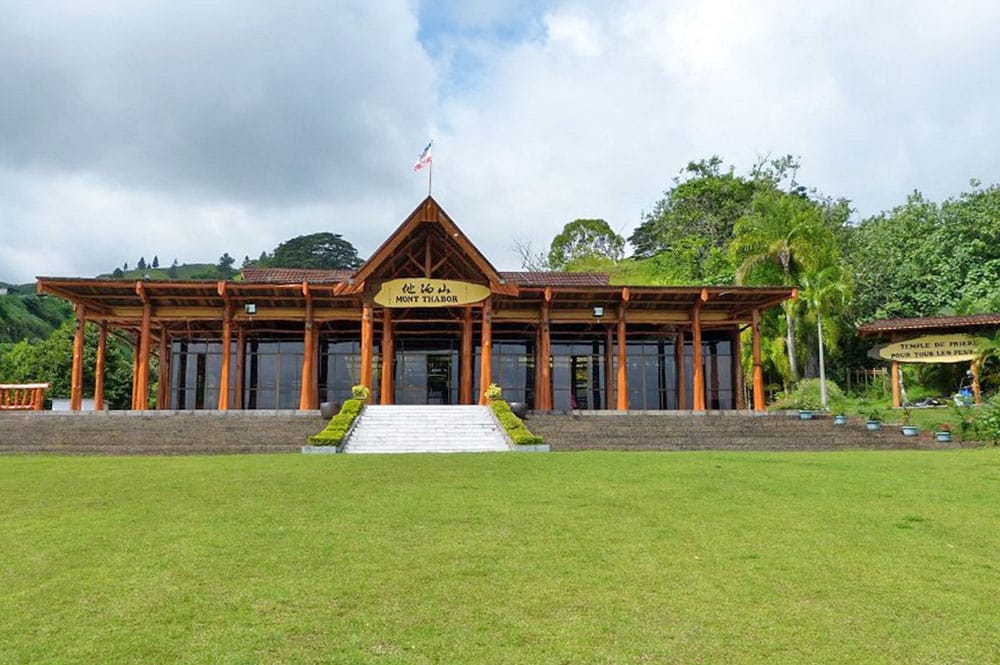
(860, 557)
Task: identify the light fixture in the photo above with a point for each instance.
(250, 308)
(598, 312)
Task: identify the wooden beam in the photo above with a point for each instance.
(759, 403)
(135, 373)
(609, 369)
(897, 398)
(102, 354)
(465, 371)
(697, 363)
(976, 394)
(76, 376)
(486, 351)
(622, 389)
(737, 369)
(163, 384)
(241, 352)
(388, 357)
(367, 342)
(679, 361)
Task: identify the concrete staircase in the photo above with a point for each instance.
(156, 432)
(723, 430)
(426, 429)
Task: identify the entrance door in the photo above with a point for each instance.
(426, 377)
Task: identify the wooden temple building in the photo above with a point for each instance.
(425, 320)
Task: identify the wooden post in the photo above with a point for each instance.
(102, 353)
(76, 376)
(388, 357)
(977, 397)
(622, 390)
(241, 352)
(897, 397)
(163, 385)
(609, 369)
(758, 369)
(737, 369)
(697, 362)
(486, 351)
(227, 353)
(145, 347)
(465, 380)
(544, 369)
(367, 341)
(307, 389)
(135, 371)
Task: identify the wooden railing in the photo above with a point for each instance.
(22, 396)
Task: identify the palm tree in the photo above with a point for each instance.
(825, 291)
(784, 232)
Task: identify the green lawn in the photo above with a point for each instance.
(860, 557)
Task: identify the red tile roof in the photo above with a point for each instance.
(929, 323)
(292, 275)
(556, 278)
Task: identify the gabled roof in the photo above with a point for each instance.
(556, 278)
(429, 221)
(929, 323)
(289, 275)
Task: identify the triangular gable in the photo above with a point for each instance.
(428, 244)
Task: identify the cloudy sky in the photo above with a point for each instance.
(185, 129)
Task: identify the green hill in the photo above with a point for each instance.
(30, 316)
(183, 271)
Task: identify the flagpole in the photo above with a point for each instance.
(430, 176)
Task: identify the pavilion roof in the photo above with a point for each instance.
(966, 322)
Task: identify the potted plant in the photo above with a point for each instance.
(907, 428)
(943, 433)
(807, 406)
(874, 422)
(839, 413)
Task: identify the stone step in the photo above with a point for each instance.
(419, 429)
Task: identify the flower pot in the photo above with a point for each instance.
(873, 425)
(329, 409)
(805, 415)
(840, 420)
(910, 430)
(943, 437)
(519, 409)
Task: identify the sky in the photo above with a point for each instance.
(185, 129)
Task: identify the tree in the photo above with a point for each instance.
(317, 250)
(585, 239)
(141, 265)
(125, 266)
(782, 236)
(172, 271)
(117, 274)
(156, 262)
(825, 292)
(225, 266)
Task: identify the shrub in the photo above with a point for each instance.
(360, 392)
(518, 433)
(335, 431)
(493, 392)
(806, 396)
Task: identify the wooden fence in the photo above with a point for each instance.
(22, 396)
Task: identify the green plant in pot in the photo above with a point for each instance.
(943, 433)
(874, 422)
(907, 428)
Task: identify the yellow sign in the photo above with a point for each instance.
(420, 292)
(932, 349)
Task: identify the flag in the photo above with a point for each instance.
(424, 159)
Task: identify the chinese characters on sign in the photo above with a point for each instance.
(420, 292)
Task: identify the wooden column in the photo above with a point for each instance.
(897, 397)
(465, 370)
(241, 353)
(544, 368)
(622, 390)
(976, 395)
(163, 385)
(758, 368)
(145, 347)
(227, 350)
(307, 384)
(367, 342)
(388, 357)
(682, 386)
(609, 369)
(135, 371)
(76, 376)
(486, 351)
(102, 354)
(737, 369)
(697, 362)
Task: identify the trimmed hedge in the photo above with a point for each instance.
(514, 425)
(336, 429)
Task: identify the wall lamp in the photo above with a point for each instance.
(250, 308)
(598, 312)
